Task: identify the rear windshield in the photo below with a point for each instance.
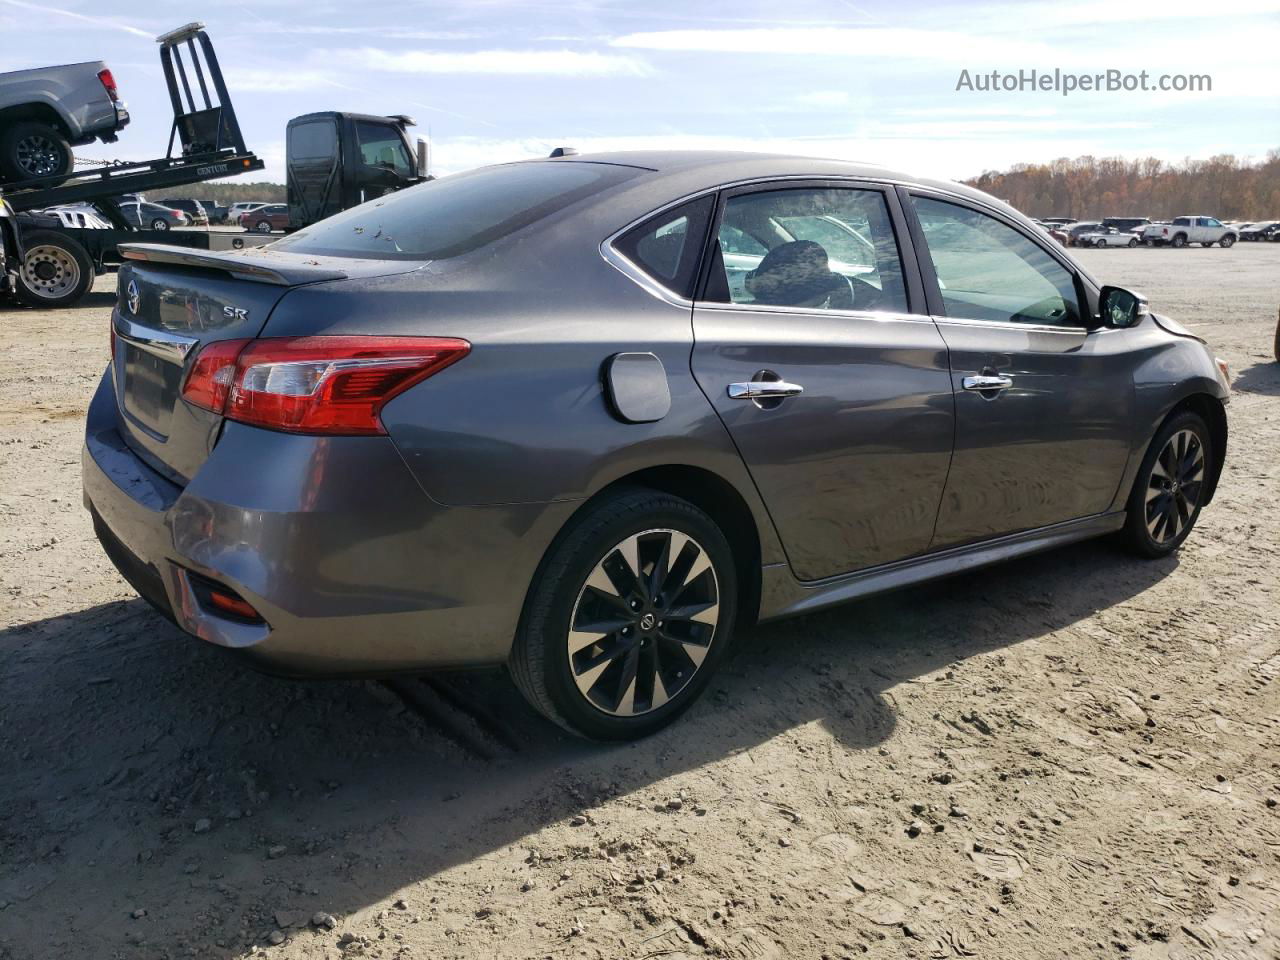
(457, 214)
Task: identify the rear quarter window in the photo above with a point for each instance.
(668, 247)
(459, 213)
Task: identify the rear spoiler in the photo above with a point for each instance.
(286, 271)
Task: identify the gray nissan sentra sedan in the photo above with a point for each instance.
(583, 415)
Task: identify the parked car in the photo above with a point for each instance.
(1181, 231)
(217, 212)
(1126, 224)
(46, 111)
(238, 209)
(515, 415)
(1055, 231)
(1107, 237)
(152, 216)
(82, 216)
(194, 210)
(271, 216)
(1262, 230)
(1079, 229)
(1059, 221)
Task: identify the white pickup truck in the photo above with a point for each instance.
(1205, 231)
(46, 111)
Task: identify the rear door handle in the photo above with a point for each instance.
(983, 383)
(764, 390)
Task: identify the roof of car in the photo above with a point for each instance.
(688, 171)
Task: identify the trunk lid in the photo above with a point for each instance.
(171, 302)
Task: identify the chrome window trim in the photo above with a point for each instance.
(877, 316)
(632, 271)
(158, 343)
(1012, 325)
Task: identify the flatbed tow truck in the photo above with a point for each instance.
(47, 264)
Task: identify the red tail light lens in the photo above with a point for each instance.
(109, 82)
(209, 382)
(324, 385)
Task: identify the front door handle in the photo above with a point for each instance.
(764, 390)
(984, 383)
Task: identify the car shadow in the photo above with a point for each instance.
(145, 770)
(1259, 378)
(93, 300)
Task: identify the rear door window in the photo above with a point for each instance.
(815, 248)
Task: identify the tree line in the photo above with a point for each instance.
(226, 194)
(1224, 186)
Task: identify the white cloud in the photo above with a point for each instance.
(82, 17)
(293, 80)
(568, 63)
(861, 43)
(1037, 16)
(899, 148)
(823, 98)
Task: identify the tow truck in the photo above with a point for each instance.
(335, 160)
(49, 264)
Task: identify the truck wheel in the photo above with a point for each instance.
(1228, 240)
(29, 150)
(56, 271)
(1179, 241)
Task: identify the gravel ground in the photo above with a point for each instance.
(1074, 755)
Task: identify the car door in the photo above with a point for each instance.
(822, 362)
(1044, 405)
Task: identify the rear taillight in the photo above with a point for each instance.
(109, 82)
(209, 382)
(325, 385)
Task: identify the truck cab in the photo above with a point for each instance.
(338, 160)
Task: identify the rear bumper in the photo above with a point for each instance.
(354, 569)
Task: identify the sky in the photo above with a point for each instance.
(498, 80)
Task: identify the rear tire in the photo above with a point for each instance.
(159, 223)
(1170, 487)
(264, 226)
(30, 150)
(668, 628)
(56, 270)
(1179, 241)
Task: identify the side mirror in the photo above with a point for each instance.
(1120, 308)
(423, 158)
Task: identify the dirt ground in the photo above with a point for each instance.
(1088, 746)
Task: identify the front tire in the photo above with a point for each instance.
(628, 617)
(1227, 241)
(1170, 487)
(1133, 242)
